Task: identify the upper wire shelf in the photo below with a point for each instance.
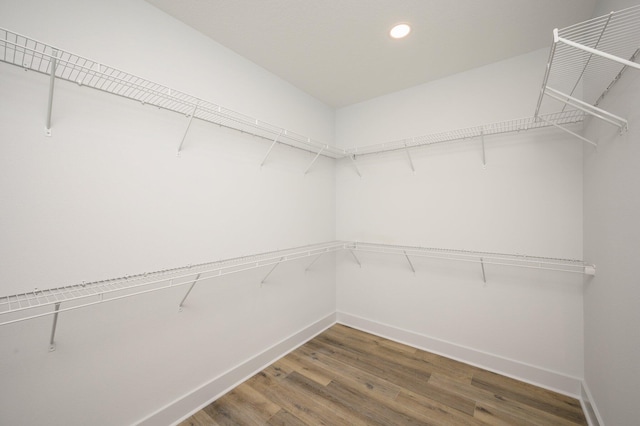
(596, 52)
(480, 257)
(517, 125)
(36, 56)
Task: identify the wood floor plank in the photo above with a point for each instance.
(500, 405)
(383, 412)
(348, 377)
(366, 382)
(353, 333)
(415, 359)
(285, 418)
(533, 396)
(243, 405)
(496, 417)
(399, 374)
(308, 368)
(303, 406)
(435, 411)
(201, 418)
(343, 408)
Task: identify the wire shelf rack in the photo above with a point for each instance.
(29, 305)
(598, 52)
(457, 135)
(49, 302)
(36, 56)
(483, 258)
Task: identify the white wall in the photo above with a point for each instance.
(106, 196)
(528, 200)
(612, 242)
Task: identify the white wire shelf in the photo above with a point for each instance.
(36, 56)
(479, 257)
(457, 135)
(46, 302)
(21, 307)
(597, 51)
(25, 306)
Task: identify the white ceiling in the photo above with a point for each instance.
(339, 51)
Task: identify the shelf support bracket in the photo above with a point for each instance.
(52, 344)
(409, 260)
(270, 148)
(619, 122)
(484, 157)
(186, 130)
(52, 80)
(484, 277)
(314, 159)
(188, 291)
(406, 149)
(353, 160)
(272, 269)
(314, 261)
(356, 258)
(564, 129)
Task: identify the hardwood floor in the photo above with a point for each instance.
(348, 377)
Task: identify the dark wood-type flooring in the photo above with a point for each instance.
(348, 377)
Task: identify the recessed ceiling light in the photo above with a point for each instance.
(400, 31)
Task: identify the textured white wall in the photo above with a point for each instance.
(106, 196)
(612, 242)
(527, 200)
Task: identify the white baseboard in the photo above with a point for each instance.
(174, 412)
(538, 376)
(588, 406)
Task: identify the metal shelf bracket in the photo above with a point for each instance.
(272, 269)
(314, 261)
(52, 80)
(314, 159)
(564, 129)
(270, 148)
(409, 260)
(484, 277)
(603, 115)
(356, 258)
(406, 148)
(353, 160)
(188, 291)
(52, 343)
(484, 158)
(186, 130)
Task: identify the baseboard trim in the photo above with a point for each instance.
(589, 407)
(174, 412)
(538, 376)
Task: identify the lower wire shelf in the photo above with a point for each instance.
(40, 303)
